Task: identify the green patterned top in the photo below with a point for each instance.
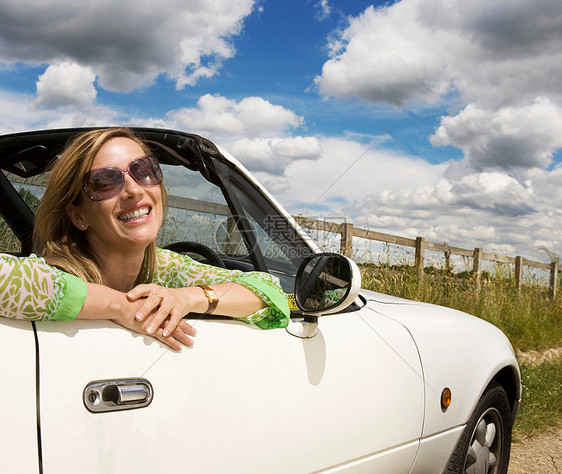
(30, 289)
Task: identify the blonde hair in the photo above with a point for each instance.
(54, 236)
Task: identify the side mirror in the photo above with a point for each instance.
(326, 283)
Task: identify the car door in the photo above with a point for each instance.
(18, 448)
(241, 400)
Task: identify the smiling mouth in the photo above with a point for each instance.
(133, 215)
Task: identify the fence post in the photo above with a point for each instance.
(447, 254)
(553, 279)
(518, 272)
(346, 243)
(420, 255)
(477, 266)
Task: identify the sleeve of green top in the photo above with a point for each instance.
(32, 290)
(176, 271)
(274, 296)
(73, 299)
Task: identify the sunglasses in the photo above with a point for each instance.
(104, 183)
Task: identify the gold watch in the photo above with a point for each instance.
(211, 297)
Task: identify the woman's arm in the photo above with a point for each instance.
(234, 300)
(30, 289)
(102, 302)
(254, 297)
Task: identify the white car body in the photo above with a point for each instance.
(245, 400)
(362, 395)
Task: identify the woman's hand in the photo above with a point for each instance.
(174, 339)
(137, 313)
(162, 309)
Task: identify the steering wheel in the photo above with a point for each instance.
(195, 247)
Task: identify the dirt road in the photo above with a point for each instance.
(541, 454)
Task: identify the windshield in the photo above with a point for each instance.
(234, 220)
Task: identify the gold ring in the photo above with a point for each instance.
(161, 299)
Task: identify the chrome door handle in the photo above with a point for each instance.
(102, 396)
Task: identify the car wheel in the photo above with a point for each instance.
(486, 441)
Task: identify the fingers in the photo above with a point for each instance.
(175, 340)
(153, 302)
(187, 328)
(160, 315)
(160, 309)
(179, 337)
(166, 316)
(153, 299)
(140, 291)
(170, 329)
(175, 322)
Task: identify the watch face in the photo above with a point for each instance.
(212, 296)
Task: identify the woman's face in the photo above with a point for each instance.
(129, 220)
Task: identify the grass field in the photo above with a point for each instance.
(541, 407)
(529, 318)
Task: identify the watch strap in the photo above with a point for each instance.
(211, 296)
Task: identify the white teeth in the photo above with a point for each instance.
(136, 214)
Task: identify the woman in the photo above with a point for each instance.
(95, 233)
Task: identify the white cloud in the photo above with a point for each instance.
(496, 68)
(382, 57)
(546, 184)
(254, 129)
(484, 49)
(20, 113)
(274, 155)
(126, 43)
(217, 116)
(66, 84)
(15, 113)
(491, 210)
(406, 196)
(324, 9)
(338, 177)
(520, 136)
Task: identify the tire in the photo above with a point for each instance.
(485, 444)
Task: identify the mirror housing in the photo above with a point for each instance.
(326, 283)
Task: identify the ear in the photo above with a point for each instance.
(77, 216)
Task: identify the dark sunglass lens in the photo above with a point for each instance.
(104, 182)
(146, 171)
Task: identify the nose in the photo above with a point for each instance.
(130, 186)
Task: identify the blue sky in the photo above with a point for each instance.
(414, 117)
(280, 51)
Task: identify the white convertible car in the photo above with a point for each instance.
(368, 383)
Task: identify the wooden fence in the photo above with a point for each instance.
(421, 245)
(348, 232)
